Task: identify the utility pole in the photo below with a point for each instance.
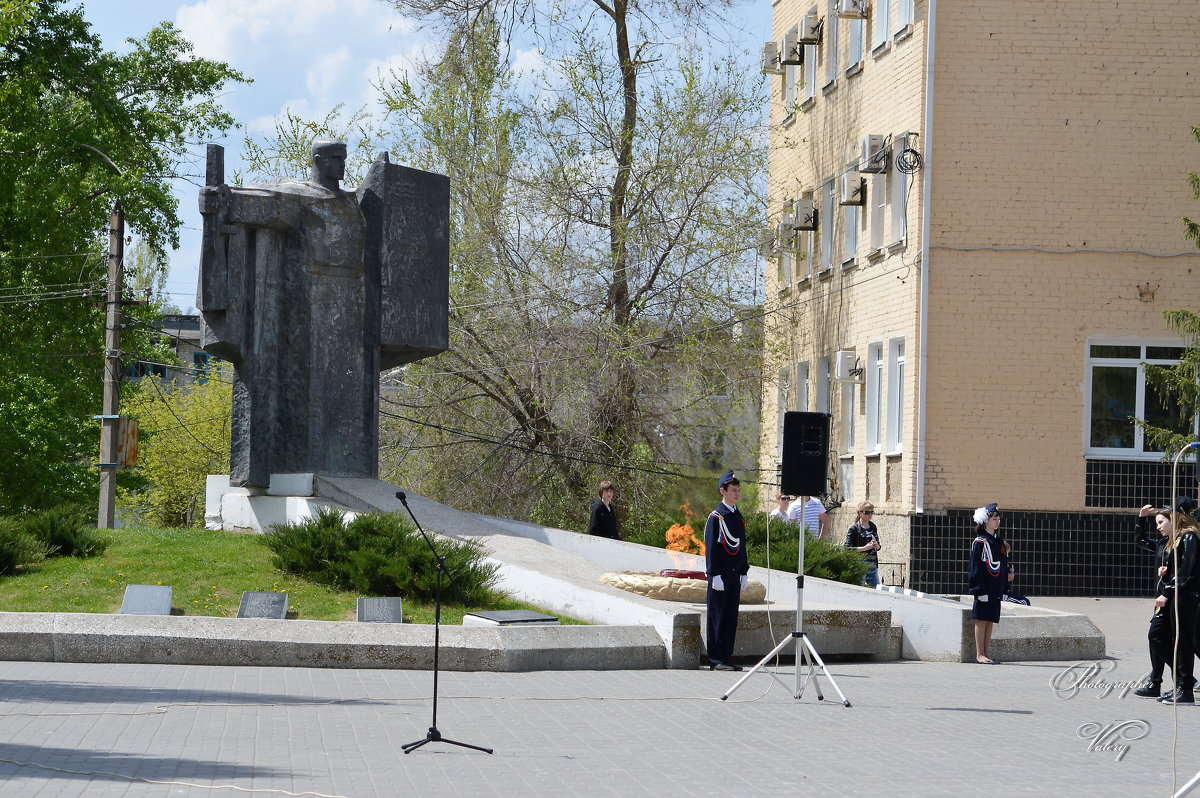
(112, 368)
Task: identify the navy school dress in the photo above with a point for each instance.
(987, 575)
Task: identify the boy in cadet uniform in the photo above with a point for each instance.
(726, 566)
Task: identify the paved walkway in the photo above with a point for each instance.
(920, 729)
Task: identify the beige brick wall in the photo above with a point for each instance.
(1057, 126)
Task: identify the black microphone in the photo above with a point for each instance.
(401, 496)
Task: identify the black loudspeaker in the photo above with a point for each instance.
(805, 453)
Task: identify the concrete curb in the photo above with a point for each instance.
(182, 640)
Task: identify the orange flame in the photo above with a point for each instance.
(682, 537)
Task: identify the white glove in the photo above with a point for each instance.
(745, 581)
(982, 598)
(718, 583)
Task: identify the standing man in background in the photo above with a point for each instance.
(727, 566)
(603, 522)
(809, 513)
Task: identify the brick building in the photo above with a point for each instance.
(976, 325)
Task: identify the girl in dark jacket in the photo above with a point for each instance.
(987, 578)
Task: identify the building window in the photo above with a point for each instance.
(810, 70)
(849, 233)
(783, 274)
(1118, 394)
(802, 386)
(857, 34)
(784, 388)
(848, 418)
(877, 203)
(879, 24)
(826, 224)
(904, 15)
(895, 405)
(791, 76)
(824, 384)
(201, 362)
(898, 189)
(829, 41)
(874, 384)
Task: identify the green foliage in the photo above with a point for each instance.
(378, 554)
(67, 530)
(825, 559)
(18, 547)
(183, 431)
(1177, 387)
(79, 129)
(1191, 229)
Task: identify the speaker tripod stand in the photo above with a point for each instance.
(805, 650)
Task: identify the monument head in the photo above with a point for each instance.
(328, 162)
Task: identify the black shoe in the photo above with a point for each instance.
(1180, 697)
(1149, 690)
(727, 666)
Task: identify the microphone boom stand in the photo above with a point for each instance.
(433, 735)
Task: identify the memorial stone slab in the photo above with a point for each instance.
(146, 600)
(509, 618)
(380, 610)
(263, 605)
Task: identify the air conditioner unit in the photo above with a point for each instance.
(843, 366)
(852, 189)
(806, 218)
(793, 52)
(770, 59)
(874, 158)
(852, 9)
(810, 30)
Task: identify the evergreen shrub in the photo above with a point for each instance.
(379, 554)
(18, 547)
(66, 530)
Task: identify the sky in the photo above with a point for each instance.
(305, 56)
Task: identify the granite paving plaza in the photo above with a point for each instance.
(915, 729)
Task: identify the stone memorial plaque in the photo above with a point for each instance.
(381, 610)
(263, 605)
(509, 618)
(146, 600)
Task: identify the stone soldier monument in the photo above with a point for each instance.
(311, 291)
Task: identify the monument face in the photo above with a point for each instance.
(310, 291)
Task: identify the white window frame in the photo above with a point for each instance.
(802, 386)
(895, 391)
(824, 383)
(782, 389)
(784, 274)
(810, 73)
(848, 418)
(825, 223)
(857, 33)
(880, 25)
(1135, 453)
(829, 43)
(874, 386)
(791, 75)
(905, 13)
(898, 199)
(877, 197)
(850, 217)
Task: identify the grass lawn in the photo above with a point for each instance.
(207, 572)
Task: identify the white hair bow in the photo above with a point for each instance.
(981, 515)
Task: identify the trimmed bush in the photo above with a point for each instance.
(66, 530)
(379, 554)
(824, 559)
(18, 547)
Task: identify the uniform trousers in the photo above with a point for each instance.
(723, 617)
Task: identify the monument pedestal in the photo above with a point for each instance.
(290, 498)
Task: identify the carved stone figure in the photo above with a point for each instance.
(311, 291)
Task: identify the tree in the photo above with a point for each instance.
(80, 128)
(606, 212)
(184, 432)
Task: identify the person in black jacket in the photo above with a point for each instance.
(1179, 595)
(987, 578)
(863, 537)
(603, 521)
(1161, 635)
(727, 566)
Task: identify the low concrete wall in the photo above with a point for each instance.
(182, 640)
